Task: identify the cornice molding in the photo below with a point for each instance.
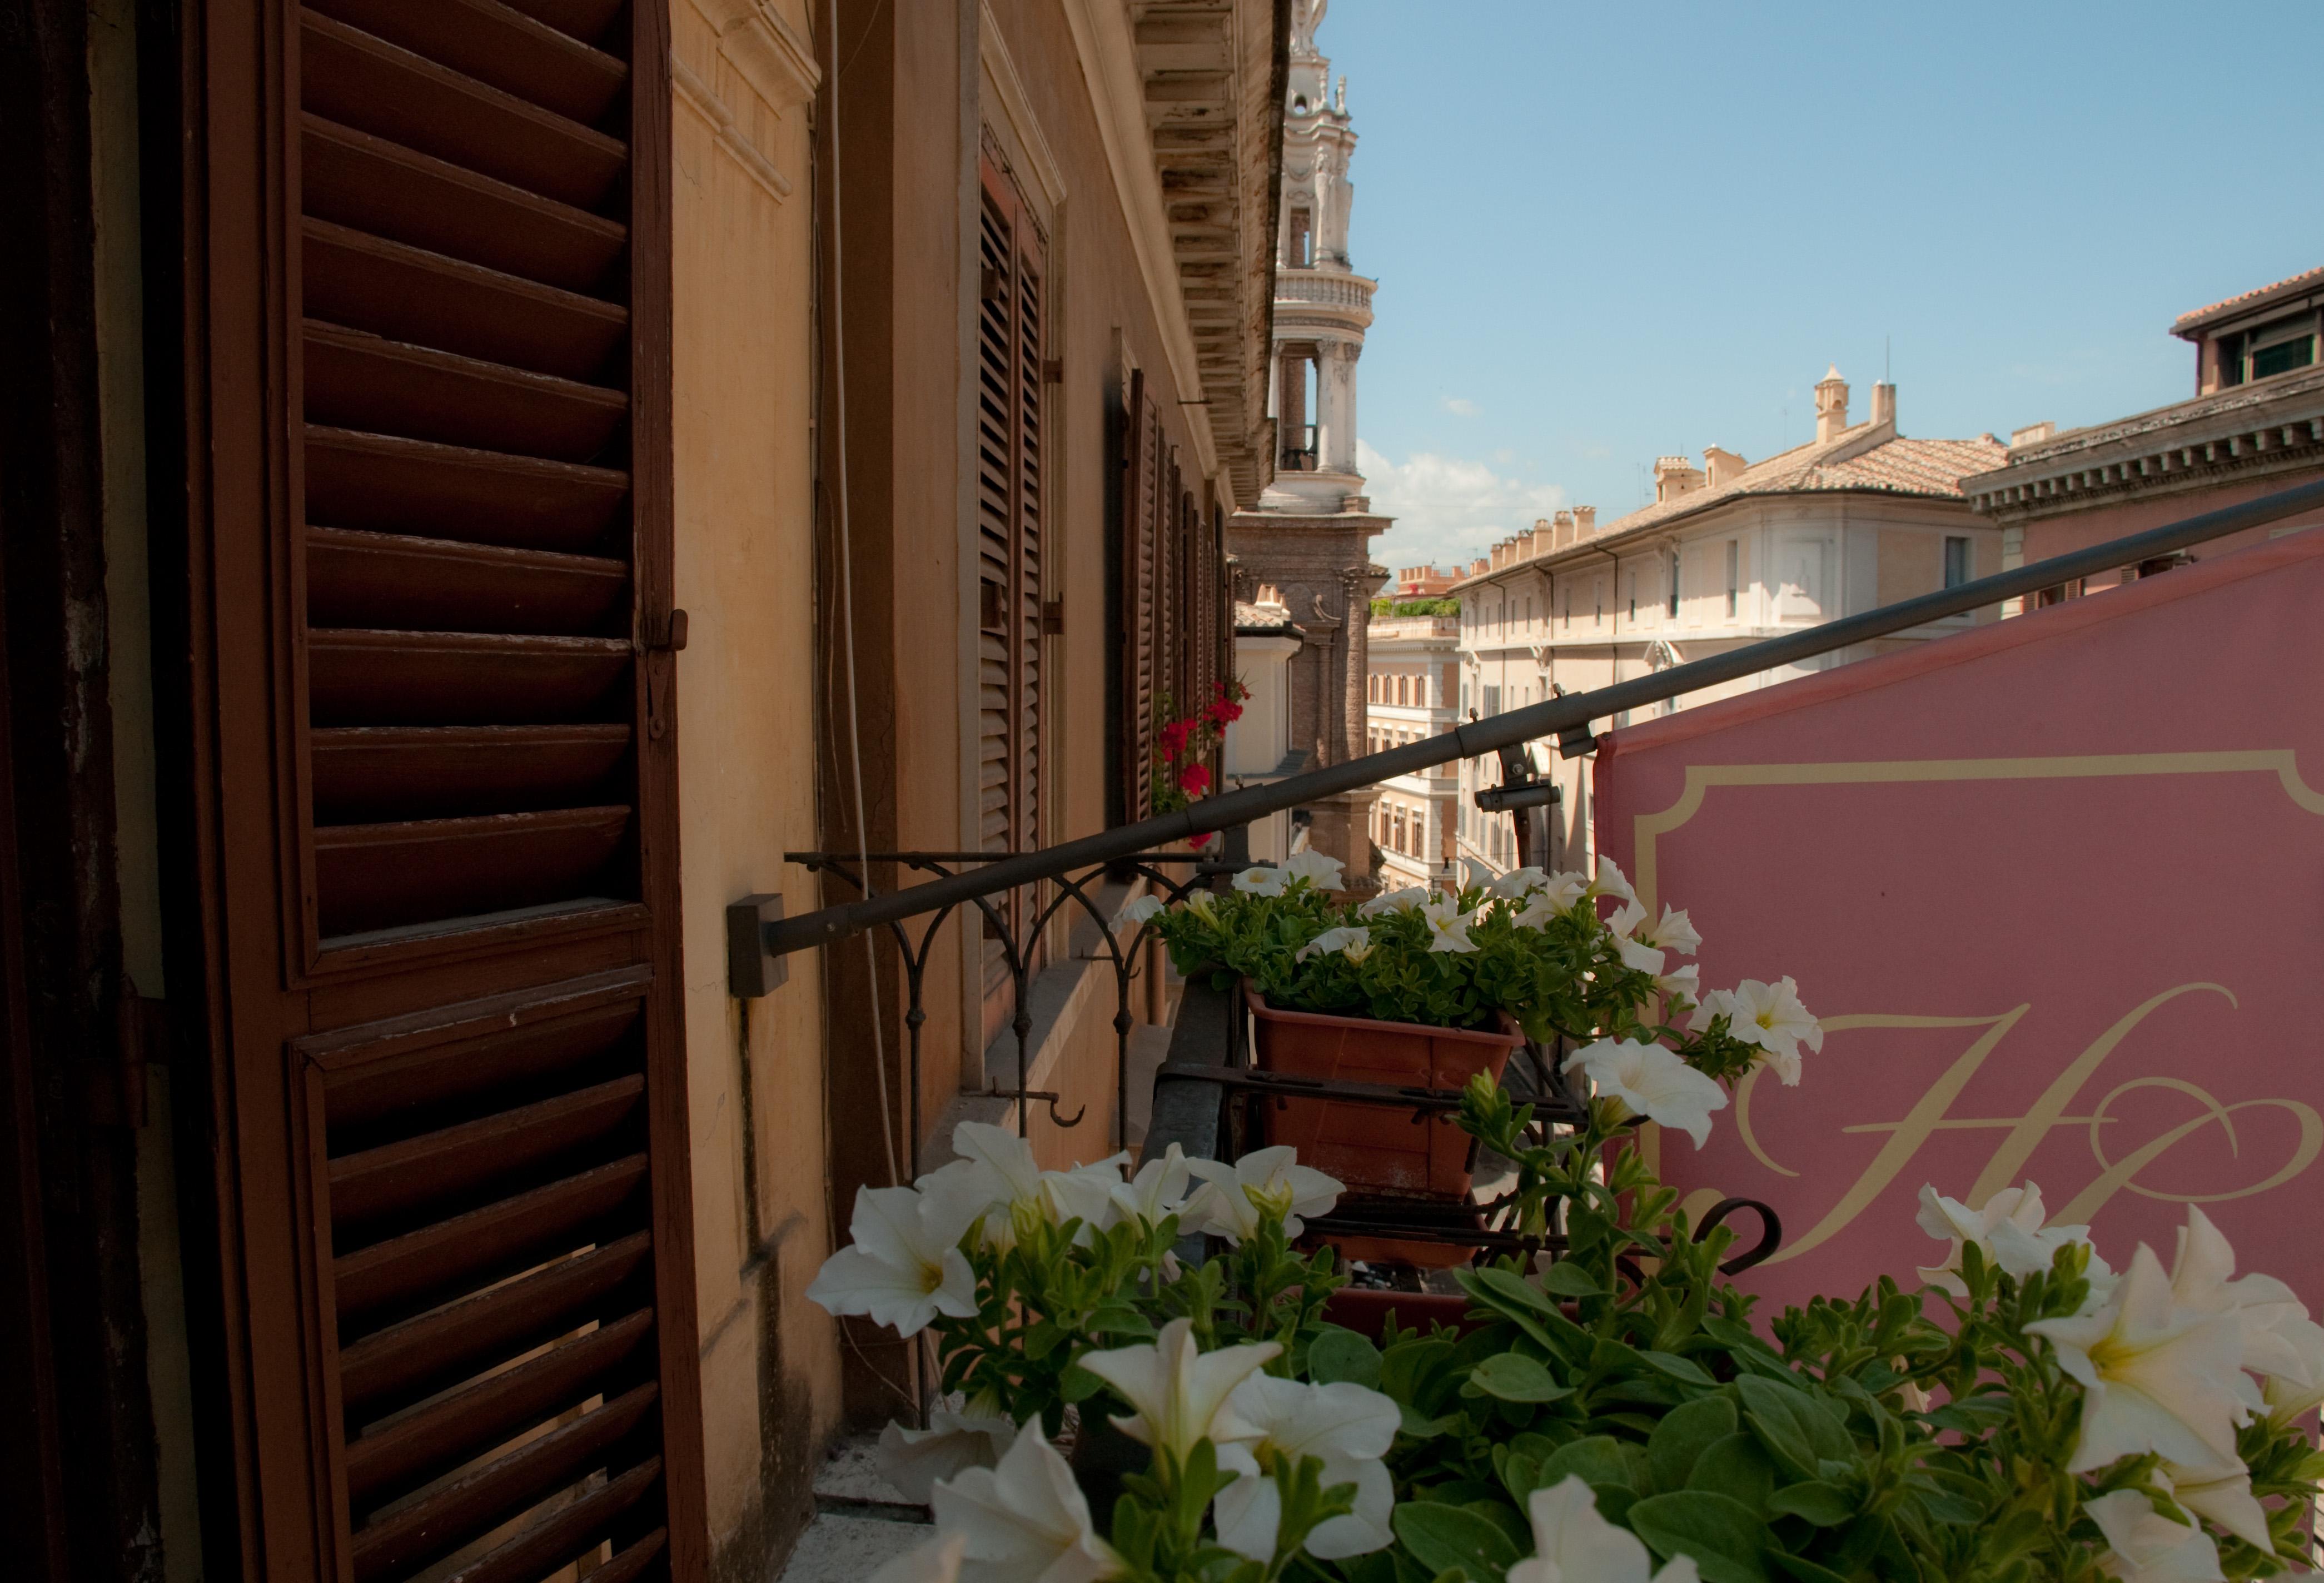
(765, 49)
(993, 52)
(1108, 52)
(703, 100)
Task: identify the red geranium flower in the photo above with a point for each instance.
(1174, 737)
(1195, 779)
(1200, 842)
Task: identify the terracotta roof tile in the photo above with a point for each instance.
(2290, 286)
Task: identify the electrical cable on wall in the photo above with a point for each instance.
(847, 608)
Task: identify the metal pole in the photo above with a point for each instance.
(1550, 718)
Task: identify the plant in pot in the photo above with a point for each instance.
(1417, 989)
(1617, 1415)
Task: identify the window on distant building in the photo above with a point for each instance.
(1301, 254)
(1956, 560)
(1734, 565)
(1597, 602)
(1569, 607)
(1670, 603)
(2267, 351)
(1633, 598)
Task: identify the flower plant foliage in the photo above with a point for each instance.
(1616, 1413)
(1183, 745)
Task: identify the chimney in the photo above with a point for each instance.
(1721, 465)
(1585, 522)
(1501, 555)
(1830, 406)
(1674, 477)
(2033, 434)
(1562, 530)
(1480, 566)
(1884, 403)
(1524, 550)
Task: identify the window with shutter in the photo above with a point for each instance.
(1011, 311)
(440, 569)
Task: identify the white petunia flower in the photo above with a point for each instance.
(1448, 926)
(2008, 1228)
(2281, 1342)
(905, 1266)
(1682, 983)
(1320, 871)
(1262, 880)
(1157, 1191)
(1650, 1081)
(1573, 1543)
(1023, 1521)
(2224, 1494)
(1396, 901)
(1638, 956)
(1611, 882)
(1769, 1015)
(1671, 931)
(936, 1561)
(1349, 1426)
(1145, 909)
(1202, 904)
(2156, 1375)
(1085, 1193)
(1480, 874)
(1519, 882)
(1180, 1394)
(1234, 1199)
(1354, 943)
(913, 1459)
(2146, 1547)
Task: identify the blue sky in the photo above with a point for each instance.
(1608, 232)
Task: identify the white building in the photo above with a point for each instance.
(1259, 746)
(1728, 552)
(1410, 694)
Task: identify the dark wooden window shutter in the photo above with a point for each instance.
(1010, 522)
(455, 1032)
(1144, 496)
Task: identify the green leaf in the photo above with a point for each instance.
(1820, 1502)
(1514, 1526)
(1727, 1540)
(1792, 1425)
(1803, 1571)
(1513, 1377)
(1682, 1436)
(1447, 1537)
(1598, 1460)
(1567, 1279)
(1339, 1355)
(1680, 1368)
(1078, 1385)
(1735, 1466)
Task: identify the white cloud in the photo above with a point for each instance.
(1447, 509)
(1461, 407)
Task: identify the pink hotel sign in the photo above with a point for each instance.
(2056, 888)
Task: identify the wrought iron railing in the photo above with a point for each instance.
(1208, 1082)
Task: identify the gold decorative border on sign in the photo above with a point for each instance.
(1700, 778)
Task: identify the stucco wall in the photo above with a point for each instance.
(744, 574)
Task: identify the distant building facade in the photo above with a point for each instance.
(1410, 694)
(2254, 426)
(1309, 535)
(1729, 552)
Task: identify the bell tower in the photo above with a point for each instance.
(1310, 534)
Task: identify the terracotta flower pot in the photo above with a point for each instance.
(1366, 1313)
(1375, 1150)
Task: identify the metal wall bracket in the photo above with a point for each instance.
(753, 970)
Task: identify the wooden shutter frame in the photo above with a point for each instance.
(273, 1001)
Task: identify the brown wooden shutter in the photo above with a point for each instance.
(1144, 499)
(444, 877)
(1010, 313)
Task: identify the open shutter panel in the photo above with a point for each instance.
(1008, 545)
(489, 1156)
(1144, 460)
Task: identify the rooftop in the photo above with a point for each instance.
(2192, 325)
(1866, 458)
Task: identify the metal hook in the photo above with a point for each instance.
(1045, 1096)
